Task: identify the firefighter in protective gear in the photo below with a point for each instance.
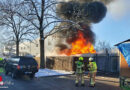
(79, 71)
(1, 62)
(1, 59)
(92, 66)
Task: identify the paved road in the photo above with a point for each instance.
(57, 83)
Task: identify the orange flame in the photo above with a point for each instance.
(80, 46)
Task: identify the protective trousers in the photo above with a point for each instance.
(92, 78)
(79, 76)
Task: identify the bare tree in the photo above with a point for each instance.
(17, 29)
(42, 15)
(104, 46)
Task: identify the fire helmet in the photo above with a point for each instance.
(81, 58)
(90, 59)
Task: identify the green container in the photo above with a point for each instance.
(125, 83)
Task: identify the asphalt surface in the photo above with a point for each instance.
(57, 83)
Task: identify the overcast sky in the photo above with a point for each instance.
(115, 27)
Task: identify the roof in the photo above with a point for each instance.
(122, 42)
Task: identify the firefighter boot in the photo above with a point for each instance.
(92, 83)
(82, 81)
(77, 83)
(82, 84)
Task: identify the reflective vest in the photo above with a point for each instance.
(1, 59)
(92, 66)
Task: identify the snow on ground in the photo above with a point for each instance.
(49, 72)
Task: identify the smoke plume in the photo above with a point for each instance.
(92, 12)
(84, 1)
(83, 12)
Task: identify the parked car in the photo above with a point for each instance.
(21, 65)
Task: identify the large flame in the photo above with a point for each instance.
(80, 46)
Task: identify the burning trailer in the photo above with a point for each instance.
(124, 48)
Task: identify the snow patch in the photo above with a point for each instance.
(49, 72)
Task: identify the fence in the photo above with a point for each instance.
(105, 62)
(108, 63)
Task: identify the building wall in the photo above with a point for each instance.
(5, 50)
(124, 69)
(9, 50)
(29, 48)
(50, 43)
(24, 48)
(33, 47)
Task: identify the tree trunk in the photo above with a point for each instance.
(17, 48)
(42, 53)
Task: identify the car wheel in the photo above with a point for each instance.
(13, 75)
(32, 76)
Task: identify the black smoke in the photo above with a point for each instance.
(84, 1)
(103, 1)
(92, 12)
(84, 14)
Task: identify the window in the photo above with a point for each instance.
(49, 43)
(36, 45)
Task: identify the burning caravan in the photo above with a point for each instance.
(124, 48)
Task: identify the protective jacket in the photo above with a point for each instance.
(79, 67)
(1, 59)
(92, 67)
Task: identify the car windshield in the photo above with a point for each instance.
(14, 60)
(27, 61)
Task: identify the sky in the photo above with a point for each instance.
(115, 27)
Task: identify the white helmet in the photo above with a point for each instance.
(90, 59)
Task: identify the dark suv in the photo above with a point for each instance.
(21, 66)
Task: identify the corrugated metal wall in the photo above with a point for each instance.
(107, 63)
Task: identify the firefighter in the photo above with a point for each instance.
(1, 59)
(1, 62)
(92, 67)
(79, 72)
